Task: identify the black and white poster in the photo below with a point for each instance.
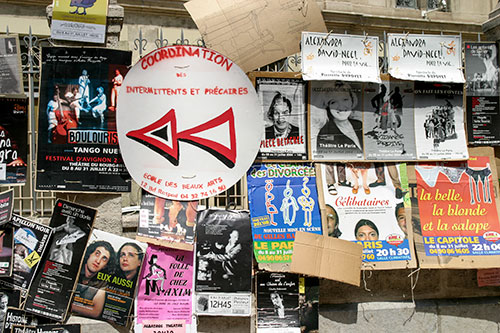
(17, 317)
(8, 298)
(6, 254)
(224, 262)
(278, 302)
(439, 121)
(13, 140)
(309, 304)
(77, 139)
(336, 120)
(388, 121)
(6, 206)
(48, 295)
(11, 77)
(283, 102)
(69, 328)
(482, 101)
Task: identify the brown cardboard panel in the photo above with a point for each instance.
(327, 257)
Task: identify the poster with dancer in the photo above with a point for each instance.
(167, 222)
(282, 200)
(13, 140)
(389, 120)
(366, 203)
(482, 101)
(439, 121)
(336, 120)
(223, 263)
(165, 287)
(71, 225)
(282, 97)
(7, 253)
(278, 303)
(108, 278)
(77, 138)
(458, 210)
(6, 206)
(11, 75)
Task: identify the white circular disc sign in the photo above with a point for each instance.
(189, 122)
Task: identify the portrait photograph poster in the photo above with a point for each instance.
(367, 203)
(11, 75)
(77, 138)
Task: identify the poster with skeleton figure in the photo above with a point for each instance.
(283, 199)
(439, 121)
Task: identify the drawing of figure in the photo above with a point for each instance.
(81, 4)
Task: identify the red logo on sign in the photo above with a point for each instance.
(162, 137)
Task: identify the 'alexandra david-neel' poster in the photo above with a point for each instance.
(77, 138)
(71, 225)
(165, 288)
(457, 208)
(223, 263)
(108, 277)
(283, 199)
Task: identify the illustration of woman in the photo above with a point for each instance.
(156, 272)
(366, 230)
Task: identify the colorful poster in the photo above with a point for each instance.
(282, 199)
(108, 277)
(77, 139)
(336, 120)
(278, 302)
(223, 263)
(71, 225)
(11, 75)
(483, 113)
(457, 208)
(327, 56)
(166, 286)
(13, 140)
(283, 101)
(365, 203)
(6, 206)
(7, 250)
(432, 58)
(439, 121)
(388, 121)
(167, 222)
(80, 21)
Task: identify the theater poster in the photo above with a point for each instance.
(6, 206)
(482, 101)
(77, 139)
(48, 296)
(366, 203)
(283, 199)
(223, 263)
(439, 121)
(167, 222)
(17, 317)
(13, 141)
(388, 119)
(278, 302)
(165, 288)
(458, 209)
(68, 328)
(7, 253)
(282, 97)
(11, 74)
(336, 120)
(108, 278)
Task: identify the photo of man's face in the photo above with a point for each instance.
(97, 260)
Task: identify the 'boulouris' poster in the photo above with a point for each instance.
(283, 199)
(224, 263)
(77, 139)
(458, 213)
(108, 277)
(48, 296)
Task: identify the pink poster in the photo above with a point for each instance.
(166, 285)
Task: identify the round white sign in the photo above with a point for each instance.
(189, 122)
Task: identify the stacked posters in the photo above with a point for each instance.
(167, 222)
(13, 140)
(223, 263)
(282, 199)
(6, 206)
(7, 250)
(483, 113)
(439, 119)
(365, 203)
(108, 277)
(283, 101)
(165, 291)
(11, 76)
(48, 294)
(77, 138)
(278, 303)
